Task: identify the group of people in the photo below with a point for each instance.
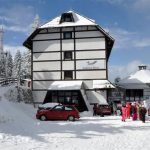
(135, 110)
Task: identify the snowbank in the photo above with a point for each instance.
(18, 94)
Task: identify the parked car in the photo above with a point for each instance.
(58, 112)
(103, 110)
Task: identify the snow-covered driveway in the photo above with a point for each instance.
(19, 130)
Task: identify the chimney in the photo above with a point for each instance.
(142, 67)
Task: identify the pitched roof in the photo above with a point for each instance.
(102, 84)
(78, 21)
(141, 76)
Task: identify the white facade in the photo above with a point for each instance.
(88, 49)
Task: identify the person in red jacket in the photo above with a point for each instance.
(128, 107)
(149, 111)
(123, 113)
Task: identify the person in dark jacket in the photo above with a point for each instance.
(142, 113)
(134, 112)
(94, 109)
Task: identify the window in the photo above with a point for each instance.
(61, 93)
(67, 35)
(54, 98)
(68, 75)
(61, 99)
(66, 17)
(75, 100)
(134, 94)
(68, 108)
(67, 55)
(58, 108)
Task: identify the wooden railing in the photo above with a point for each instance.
(6, 81)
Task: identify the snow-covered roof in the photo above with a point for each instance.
(48, 105)
(66, 85)
(102, 84)
(141, 76)
(27, 79)
(78, 21)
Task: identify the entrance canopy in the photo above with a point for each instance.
(66, 85)
(102, 84)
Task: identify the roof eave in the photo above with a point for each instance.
(110, 39)
(109, 49)
(28, 42)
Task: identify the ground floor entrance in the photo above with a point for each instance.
(67, 97)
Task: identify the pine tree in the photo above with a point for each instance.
(9, 65)
(3, 66)
(26, 65)
(17, 71)
(17, 66)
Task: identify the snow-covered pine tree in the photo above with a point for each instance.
(17, 66)
(17, 71)
(26, 65)
(2, 66)
(9, 65)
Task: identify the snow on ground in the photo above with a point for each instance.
(19, 130)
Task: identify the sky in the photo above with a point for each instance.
(127, 21)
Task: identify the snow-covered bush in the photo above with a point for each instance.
(18, 94)
(11, 94)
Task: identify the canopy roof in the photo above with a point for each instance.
(102, 84)
(66, 85)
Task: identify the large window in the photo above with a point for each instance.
(65, 97)
(68, 75)
(134, 94)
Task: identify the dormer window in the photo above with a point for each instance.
(66, 17)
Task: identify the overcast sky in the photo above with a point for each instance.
(128, 22)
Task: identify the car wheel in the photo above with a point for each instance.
(71, 118)
(43, 118)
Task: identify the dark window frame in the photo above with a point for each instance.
(68, 75)
(65, 35)
(66, 17)
(132, 94)
(66, 54)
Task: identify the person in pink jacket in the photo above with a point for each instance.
(128, 109)
(124, 113)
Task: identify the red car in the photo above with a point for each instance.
(58, 112)
(103, 110)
